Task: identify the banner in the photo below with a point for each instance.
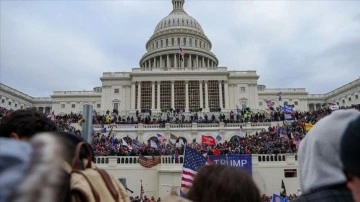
(208, 140)
(288, 117)
(277, 198)
(286, 109)
(243, 161)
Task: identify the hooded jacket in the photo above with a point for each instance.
(319, 152)
(14, 161)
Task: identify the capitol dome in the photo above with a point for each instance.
(178, 42)
(178, 19)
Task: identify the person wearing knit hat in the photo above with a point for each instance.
(321, 169)
(350, 156)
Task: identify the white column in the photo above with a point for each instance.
(132, 96)
(220, 95)
(206, 96)
(139, 96)
(203, 62)
(158, 95)
(201, 94)
(186, 96)
(175, 63)
(172, 95)
(152, 95)
(197, 61)
(161, 62)
(226, 94)
(182, 62)
(189, 61)
(167, 61)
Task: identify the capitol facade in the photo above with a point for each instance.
(179, 72)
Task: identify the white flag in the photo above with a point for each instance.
(153, 144)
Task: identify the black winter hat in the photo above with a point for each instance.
(350, 148)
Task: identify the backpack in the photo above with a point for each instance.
(92, 184)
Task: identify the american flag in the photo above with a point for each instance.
(192, 163)
(149, 162)
(182, 53)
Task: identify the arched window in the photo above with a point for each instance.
(184, 41)
(172, 41)
(178, 41)
(167, 42)
(162, 45)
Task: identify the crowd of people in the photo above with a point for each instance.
(335, 168)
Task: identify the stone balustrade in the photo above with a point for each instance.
(257, 159)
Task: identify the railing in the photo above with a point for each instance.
(236, 125)
(242, 73)
(186, 125)
(183, 125)
(76, 93)
(116, 74)
(287, 90)
(167, 160)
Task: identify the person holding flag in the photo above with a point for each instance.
(192, 163)
(223, 183)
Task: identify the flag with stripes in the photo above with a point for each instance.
(182, 53)
(193, 161)
(149, 162)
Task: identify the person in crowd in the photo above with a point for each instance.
(16, 155)
(14, 161)
(350, 156)
(321, 169)
(23, 124)
(223, 183)
(44, 178)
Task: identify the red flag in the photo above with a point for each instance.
(208, 140)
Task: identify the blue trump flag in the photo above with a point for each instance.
(277, 198)
(237, 160)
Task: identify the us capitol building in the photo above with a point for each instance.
(179, 71)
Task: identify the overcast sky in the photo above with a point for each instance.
(67, 45)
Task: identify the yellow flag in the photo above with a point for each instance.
(308, 126)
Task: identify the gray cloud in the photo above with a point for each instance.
(66, 45)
